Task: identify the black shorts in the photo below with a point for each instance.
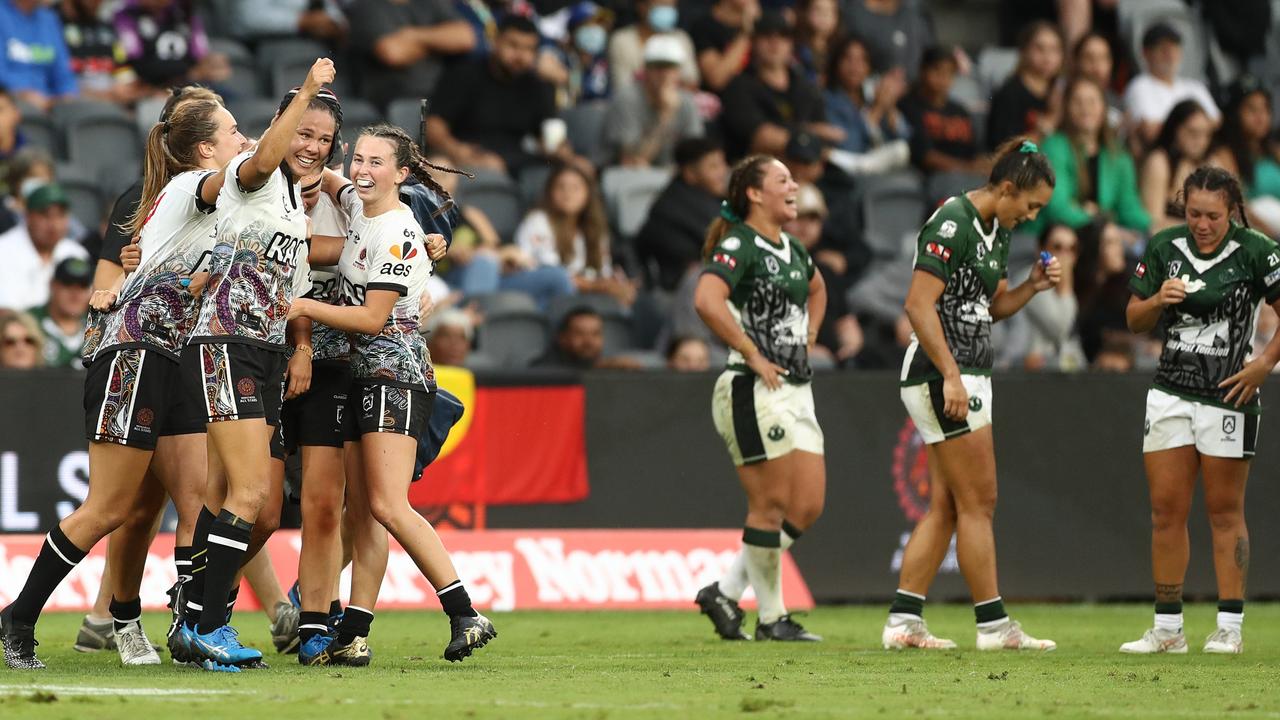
(386, 408)
(315, 417)
(277, 442)
(126, 397)
(234, 381)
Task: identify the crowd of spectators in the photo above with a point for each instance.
(601, 134)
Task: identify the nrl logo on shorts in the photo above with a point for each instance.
(368, 403)
(1229, 424)
(1174, 267)
(975, 403)
(776, 433)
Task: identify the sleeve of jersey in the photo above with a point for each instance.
(1144, 281)
(394, 260)
(201, 205)
(1268, 260)
(234, 169)
(728, 260)
(349, 201)
(938, 248)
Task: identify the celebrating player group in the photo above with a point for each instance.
(1202, 281)
(192, 355)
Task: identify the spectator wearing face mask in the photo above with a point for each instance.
(34, 247)
(657, 18)
(578, 65)
(62, 319)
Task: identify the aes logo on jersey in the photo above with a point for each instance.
(404, 252)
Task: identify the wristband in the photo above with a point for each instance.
(304, 348)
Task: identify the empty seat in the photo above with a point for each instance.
(891, 211)
(105, 145)
(72, 112)
(498, 197)
(253, 115)
(513, 339)
(629, 193)
(406, 113)
(585, 123)
(532, 181)
(86, 203)
(505, 301)
(358, 113)
(41, 132)
(618, 335)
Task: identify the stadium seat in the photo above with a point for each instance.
(585, 123)
(505, 301)
(629, 193)
(995, 64)
(513, 339)
(533, 179)
(289, 72)
(497, 195)
(107, 146)
(405, 113)
(67, 171)
(232, 48)
(86, 203)
(1136, 16)
(968, 90)
(243, 83)
(359, 113)
(72, 112)
(892, 208)
(41, 132)
(253, 115)
(600, 302)
(618, 337)
(146, 113)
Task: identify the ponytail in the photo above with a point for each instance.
(1020, 161)
(748, 173)
(171, 149)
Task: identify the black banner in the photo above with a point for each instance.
(1073, 520)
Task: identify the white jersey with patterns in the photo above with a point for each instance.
(326, 343)
(155, 310)
(261, 232)
(387, 252)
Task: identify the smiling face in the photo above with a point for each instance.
(1086, 108)
(1208, 216)
(1014, 207)
(374, 170)
(1194, 135)
(776, 196)
(311, 143)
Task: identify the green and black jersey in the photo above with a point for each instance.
(768, 296)
(971, 260)
(1209, 334)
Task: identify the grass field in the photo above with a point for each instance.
(667, 665)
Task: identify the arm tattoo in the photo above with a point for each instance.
(1168, 593)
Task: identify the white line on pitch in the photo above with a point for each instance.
(84, 690)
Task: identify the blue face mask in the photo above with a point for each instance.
(663, 18)
(591, 39)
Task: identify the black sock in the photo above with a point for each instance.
(231, 601)
(311, 624)
(335, 607)
(791, 530)
(455, 600)
(57, 558)
(182, 561)
(124, 612)
(228, 540)
(194, 589)
(1231, 606)
(1169, 608)
(906, 603)
(355, 623)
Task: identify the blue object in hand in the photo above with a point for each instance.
(185, 282)
(1046, 257)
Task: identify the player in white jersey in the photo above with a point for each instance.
(385, 269)
(234, 364)
(130, 388)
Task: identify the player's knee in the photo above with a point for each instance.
(385, 510)
(323, 514)
(1168, 514)
(1229, 517)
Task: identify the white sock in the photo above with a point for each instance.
(1231, 621)
(1171, 622)
(900, 618)
(735, 580)
(764, 568)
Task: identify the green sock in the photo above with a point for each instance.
(989, 612)
(907, 603)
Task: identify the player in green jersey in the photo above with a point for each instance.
(760, 294)
(1204, 282)
(959, 287)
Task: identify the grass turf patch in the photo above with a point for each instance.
(665, 665)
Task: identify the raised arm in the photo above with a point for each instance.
(275, 141)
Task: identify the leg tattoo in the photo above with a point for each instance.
(1169, 593)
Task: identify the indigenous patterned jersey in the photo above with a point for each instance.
(261, 232)
(154, 310)
(971, 260)
(387, 252)
(1208, 335)
(327, 343)
(768, 296)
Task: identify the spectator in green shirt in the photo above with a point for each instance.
(63, 318)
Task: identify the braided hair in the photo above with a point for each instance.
(409, 155)
(327, 101)
(1214, 179)
(748, 173)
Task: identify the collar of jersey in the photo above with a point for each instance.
(988, 238)
(783, 252)
(1202, 262)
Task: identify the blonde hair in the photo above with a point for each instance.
(29, 323)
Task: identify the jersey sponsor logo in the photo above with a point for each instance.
(725, 259)
(404, 251)
(1272, 277)
(396, 269)
(284, 249)
(771, 264)
(938, 250)
(1140, 271)
(731, 244)
(948, 229)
